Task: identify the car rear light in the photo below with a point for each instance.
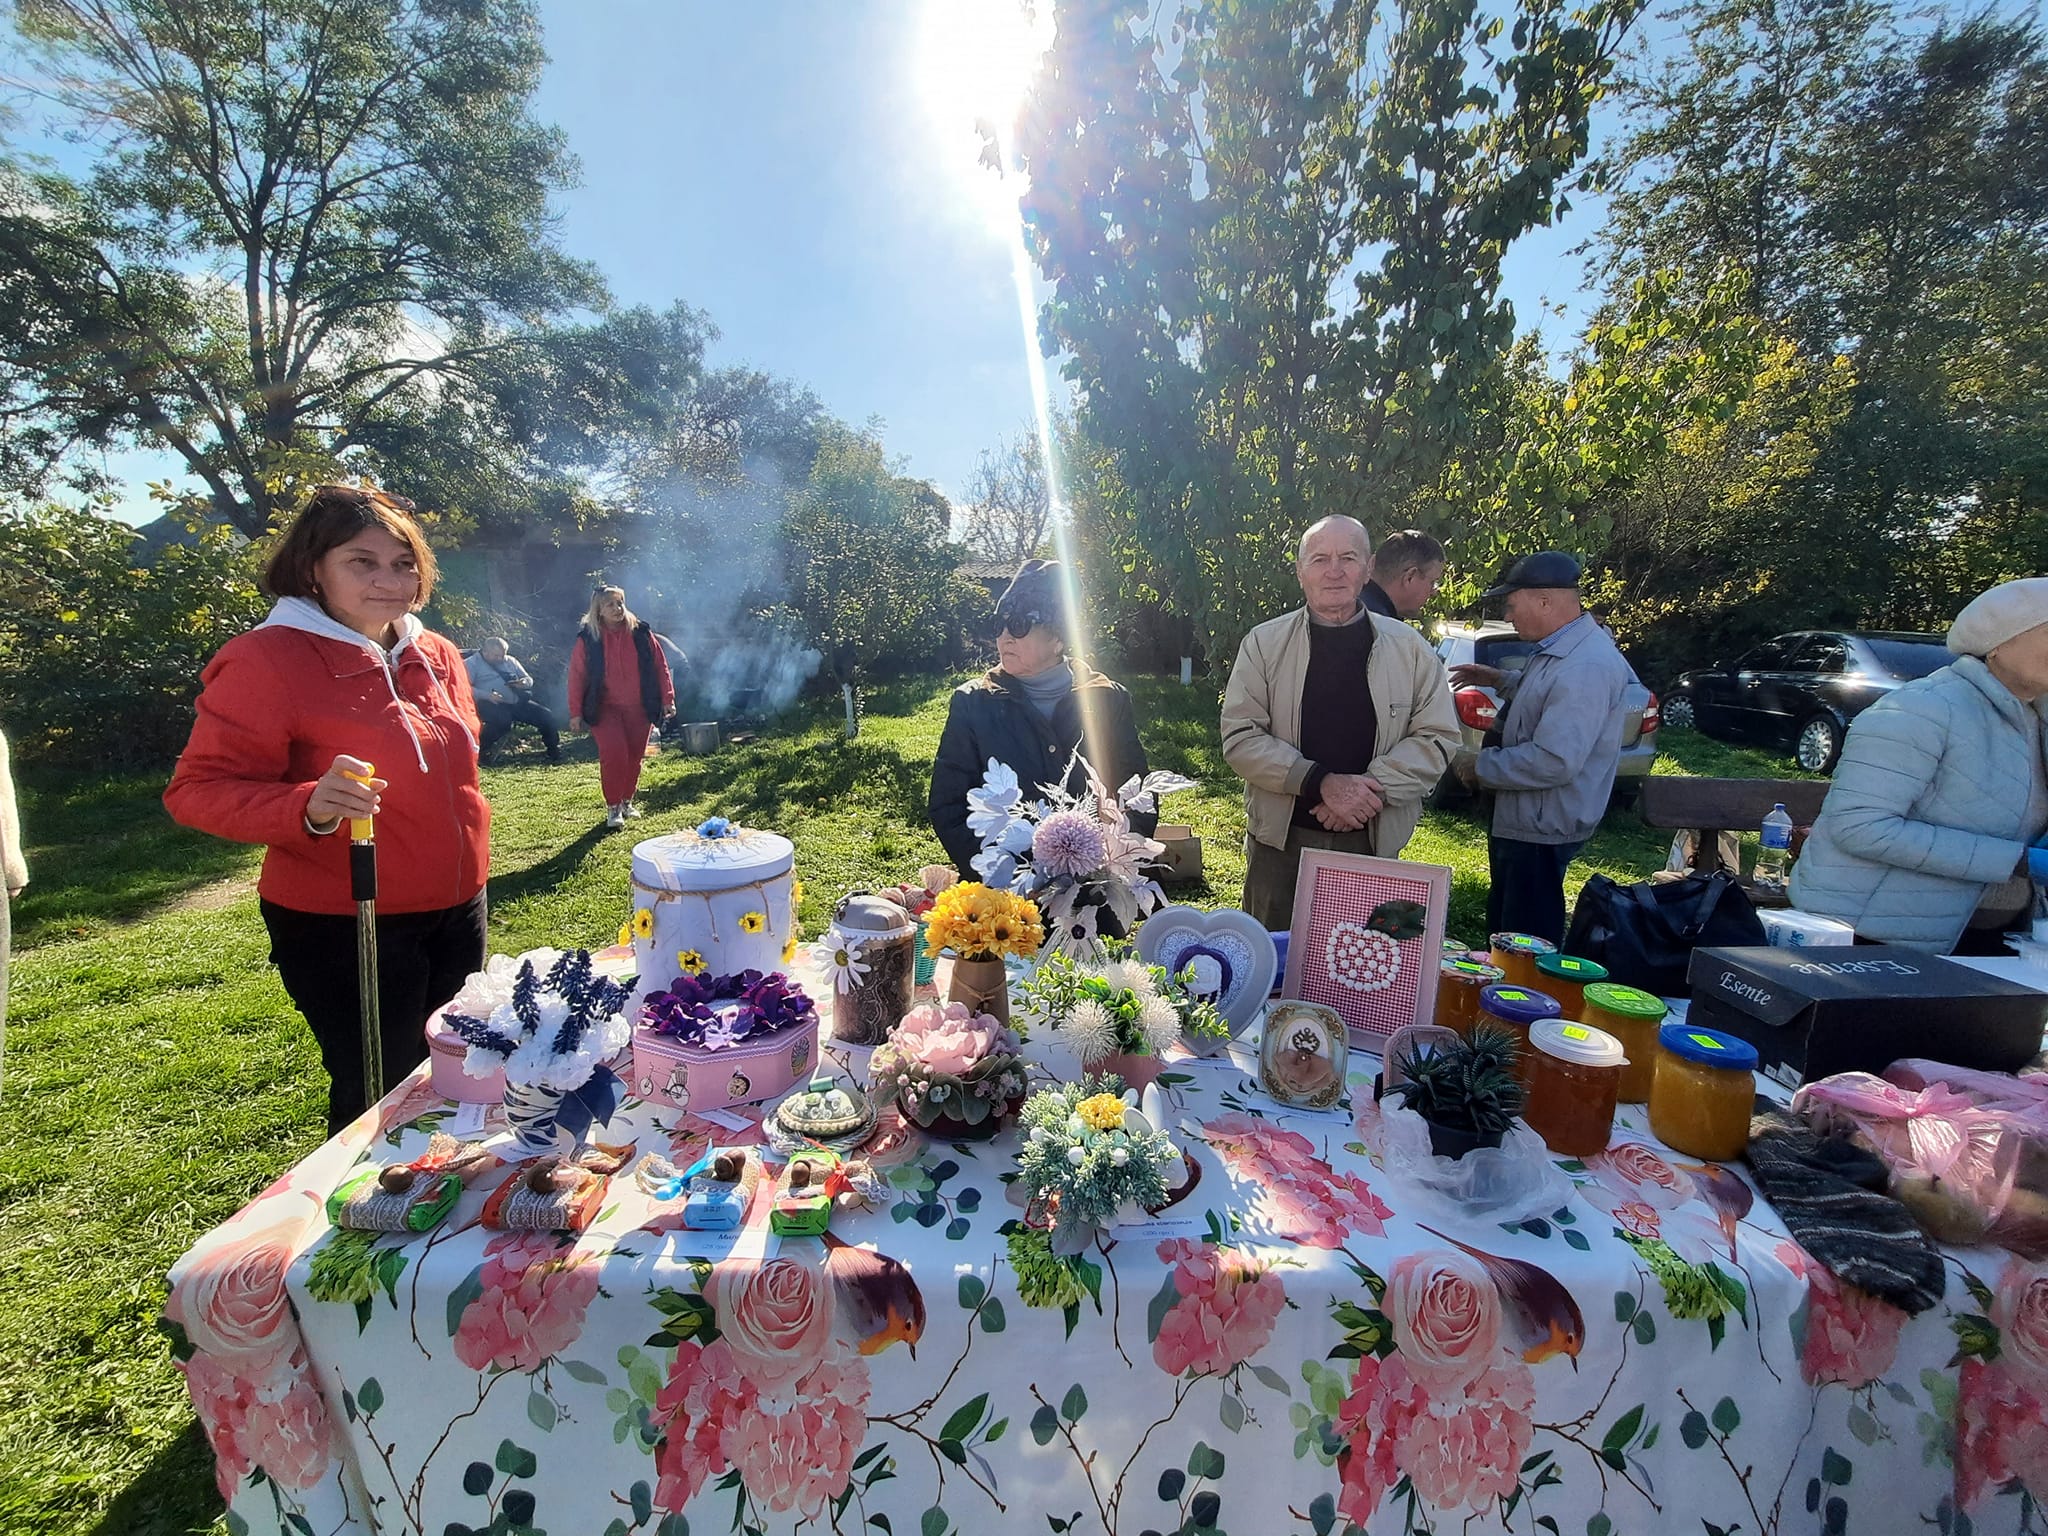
(1475, 708)
(1653, 716)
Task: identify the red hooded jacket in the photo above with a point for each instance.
(278, 703)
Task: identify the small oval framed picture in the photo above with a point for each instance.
(1304, 1055)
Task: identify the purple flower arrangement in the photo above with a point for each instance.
(700, 1011)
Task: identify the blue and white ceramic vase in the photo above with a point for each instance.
(530, 1113)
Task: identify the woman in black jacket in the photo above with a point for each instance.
(1031, 712)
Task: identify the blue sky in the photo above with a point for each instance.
(804, 172)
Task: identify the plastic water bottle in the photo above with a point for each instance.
(1774, 855)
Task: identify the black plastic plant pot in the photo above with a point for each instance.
(1454, 1141)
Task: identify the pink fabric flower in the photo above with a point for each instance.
(777, 1318)
(704, 1389)
(1852, 1337)
(2001, 1435)
(1228, 1305)
(1296, 1190)
(535, 1294)
(1383, 1397)
(1445, 1312)
(230, 1294)
(1638, 1217)
(2020, 1309)
(950, 1039)
(798, 1455)
(1634, 1170)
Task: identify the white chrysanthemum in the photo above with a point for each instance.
(1130, 976)
(1089, 1030)
(1158, 1024)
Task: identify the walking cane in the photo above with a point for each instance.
(362, 879)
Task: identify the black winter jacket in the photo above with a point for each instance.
(990, 717)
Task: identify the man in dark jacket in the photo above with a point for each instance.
(1031, 712)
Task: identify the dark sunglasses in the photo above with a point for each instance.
(1019, 625)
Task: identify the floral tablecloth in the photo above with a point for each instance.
(1289, 1349)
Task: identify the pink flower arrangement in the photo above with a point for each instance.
(1459, 1449)
(534, 1297)
(1228, 1305)
(947, 1060)
(1852, 1337)
(1445, 1312)
(775, 1317)
(1296, 1190)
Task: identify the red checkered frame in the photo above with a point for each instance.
(1342, 889)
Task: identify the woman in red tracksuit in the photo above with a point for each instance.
(619, 686)
(342, 675)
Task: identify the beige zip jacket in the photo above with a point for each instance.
(1418, 725)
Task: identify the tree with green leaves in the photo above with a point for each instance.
(313, 226)
(1274, 235)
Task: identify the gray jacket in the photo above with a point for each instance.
(495, 682)
(1554, 769)
(1937, 795)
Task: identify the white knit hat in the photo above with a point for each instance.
(1994, 617)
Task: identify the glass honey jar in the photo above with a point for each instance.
(1564, 977)
(1515, 954)
(1703, 1093)
(1633, 1017)
(1459, 983)
(1514, 1009)
(1574, 1079)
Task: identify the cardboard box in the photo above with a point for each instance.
(1813, 1013)
(1182, 859)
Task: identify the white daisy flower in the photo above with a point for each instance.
(1158, 1024)
(838, 956)
(1090, 1030)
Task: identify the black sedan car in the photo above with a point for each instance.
(1801, 691)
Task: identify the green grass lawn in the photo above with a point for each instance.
(157, 1077)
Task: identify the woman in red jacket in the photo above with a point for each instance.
(340, 676)
(619, 686)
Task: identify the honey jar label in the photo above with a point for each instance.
(1706, 1042)
(1512, 996)
(1576, 1032)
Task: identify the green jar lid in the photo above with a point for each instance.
(1571, 968)
(1629, 1002)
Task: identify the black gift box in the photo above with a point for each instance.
(1813, 1012)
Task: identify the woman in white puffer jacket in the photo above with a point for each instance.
(1941, 791)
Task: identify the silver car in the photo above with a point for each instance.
(1495, 644)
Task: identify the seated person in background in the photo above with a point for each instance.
(504, 698)
(1940, 790)
(1407, 568)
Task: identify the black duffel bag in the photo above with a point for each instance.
(1645, 934)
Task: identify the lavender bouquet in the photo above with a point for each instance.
(552, 1036)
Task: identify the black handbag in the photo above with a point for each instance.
(1645, 933)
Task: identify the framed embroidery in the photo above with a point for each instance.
(1367, 940)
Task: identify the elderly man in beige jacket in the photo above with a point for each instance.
(1338, 721)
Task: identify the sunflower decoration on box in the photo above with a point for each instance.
(1091, 1159)
(1119, 1014)
(1074, 854)
(552, 1037)
(954, 1073)
(979, 927)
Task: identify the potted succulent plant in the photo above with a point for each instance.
(1465, 1091)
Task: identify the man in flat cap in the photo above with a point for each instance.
(1559, 741)
(1338, 721)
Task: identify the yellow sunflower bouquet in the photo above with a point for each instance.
(977, 923)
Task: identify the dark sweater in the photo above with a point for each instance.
(1339, 726)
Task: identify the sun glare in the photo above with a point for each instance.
(975, 60)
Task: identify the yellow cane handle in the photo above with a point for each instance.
(362, 829)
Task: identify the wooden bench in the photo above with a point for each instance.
(1712, 806)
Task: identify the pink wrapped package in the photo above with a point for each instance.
(1968, 1151)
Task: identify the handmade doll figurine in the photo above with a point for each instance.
(407, 1197)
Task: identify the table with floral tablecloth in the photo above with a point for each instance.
(1292, 1347)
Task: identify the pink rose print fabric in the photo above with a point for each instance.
(1851, 1337)
(1296, 1191)
(1228, 1304)
(536, 1290)
(2002, 1403)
